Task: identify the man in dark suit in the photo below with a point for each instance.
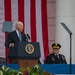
(16, 36)
(55, 57)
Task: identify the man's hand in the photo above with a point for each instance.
(11, 45)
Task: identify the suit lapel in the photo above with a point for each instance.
(16, 36)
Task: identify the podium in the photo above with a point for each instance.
(26, 54)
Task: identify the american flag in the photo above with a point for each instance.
(33, 13)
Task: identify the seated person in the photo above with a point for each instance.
(55, 57)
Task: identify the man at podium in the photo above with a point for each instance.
(16, 36)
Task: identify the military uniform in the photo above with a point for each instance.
(55, 58)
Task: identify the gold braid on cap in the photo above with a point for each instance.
(56, 46)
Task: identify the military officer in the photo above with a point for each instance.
(55, 57)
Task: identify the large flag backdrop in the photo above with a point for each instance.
(33, 13)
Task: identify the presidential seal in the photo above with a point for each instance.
(29, 48)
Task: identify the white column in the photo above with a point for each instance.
(65, 12)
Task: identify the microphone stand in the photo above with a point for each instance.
(6, 34)
(6, 28)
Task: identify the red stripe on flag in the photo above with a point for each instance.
(21, 11)
(33, 20)
(45, 27)
(7, 6)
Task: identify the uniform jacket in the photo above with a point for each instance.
(13, 38)
(53, 59)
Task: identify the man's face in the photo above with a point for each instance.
(20, 27)
(55, 51)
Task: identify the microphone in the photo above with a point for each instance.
(28, 36)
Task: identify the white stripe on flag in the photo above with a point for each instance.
(39, 28)
(2, 35)
(14, 9)
(27, 28)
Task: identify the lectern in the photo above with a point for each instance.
(26, 54)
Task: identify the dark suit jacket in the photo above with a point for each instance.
(13, 38)
(52, 59)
